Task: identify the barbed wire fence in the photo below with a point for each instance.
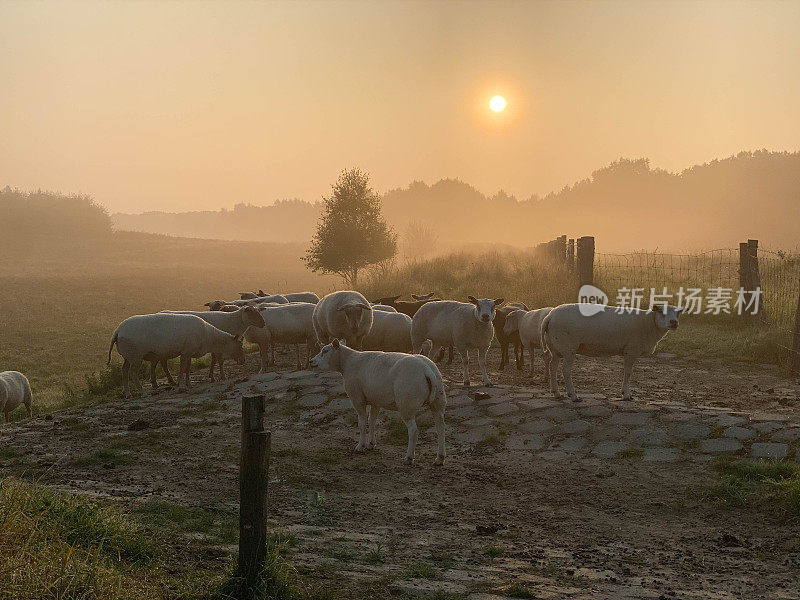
(774, 272)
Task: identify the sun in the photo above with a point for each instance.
(497, 103)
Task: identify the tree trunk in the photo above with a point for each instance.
(354, 278)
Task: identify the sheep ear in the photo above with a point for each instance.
(207, 304)
(363, 306)
(472, 299)
(499, 301)
(262, 292)
(679, 310)
(236, 338)
(335, 344)
(418, 297)
(343, 307)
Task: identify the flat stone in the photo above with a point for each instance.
(530, 441)
(572, 444)
(559, 413)
(338, 390)
(630, 418)
(702, 458)
(768, 417)
(769, 450)
(720, 445)
(731, 420)
(465, 412)
(786, 435)
(679, 416)
(479, 434)
(650, 436)
(458, 401)
(739, 433)
(502, 409)
(493, 400)
(609, 449)
(273, 386)
(660, 454)
(692, 431)
(553, 455)
(767, 426)
(608, 432)
(537, 426)
(577, 426)
(312, 400)
(479, 422)
(264, 377)
(302, 375)
(596, 411)
(537, 403)
(340, 404)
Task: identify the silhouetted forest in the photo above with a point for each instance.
(626, 205)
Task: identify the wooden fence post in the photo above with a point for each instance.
(585, 260)
(744, 267)
(571, 255)
(755, 278)
(253, 478)
(794, 359)
(560, 249)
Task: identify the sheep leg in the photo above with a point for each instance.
(438, 421)
(413, 433)
(450, 356)
(503, 355)
(183, 374)
(297, 349)
(126, 374)
(374, 411)
(361, 410)
(221, 363)
(135, 367)
(532, 352)
(547, 358)
(263, 349)
(626, 381)
(464, 354)
(553, 370)
(165, 368)
(211, 368)
(569, 361)
(153, 367)
(482, 363)
(519, 355)
(437, 351)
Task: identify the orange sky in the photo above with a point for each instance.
(199, 105)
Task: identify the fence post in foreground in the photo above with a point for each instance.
(794, 359)
(253, 477)
(585, 260)
(755, 278)
(744, 267)
(571, 255)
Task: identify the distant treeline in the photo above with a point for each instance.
(29, 215)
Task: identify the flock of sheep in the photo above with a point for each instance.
(383, 349)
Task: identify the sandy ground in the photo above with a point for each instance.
(595, 499)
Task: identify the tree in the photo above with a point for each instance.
(420, 240)
(351, 233)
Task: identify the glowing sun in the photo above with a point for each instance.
(497, 103)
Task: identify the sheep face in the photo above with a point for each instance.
(667, 316)
(329, 358)
(512, 321)
(485, 308)
(352, 313)
(388, 300)
(428, 296)
(215, 305)
(253, 317)
(234, 349)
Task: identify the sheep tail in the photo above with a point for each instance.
(114, 340)
(435, 390)
(544, 334)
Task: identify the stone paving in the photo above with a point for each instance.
(530, 420)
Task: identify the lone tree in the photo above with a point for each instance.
(351, 233)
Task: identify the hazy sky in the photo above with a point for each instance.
(199, 105)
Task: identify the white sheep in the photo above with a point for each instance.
(167, 335)
(344, 314)
(459, 324)
(390, 332)
(285, 324)
(390, 380)
(529, 326)
(235, 322)
(310, 297)
(572, 329)
(14, 390)
(382, 307)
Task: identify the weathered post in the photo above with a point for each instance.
(571, 255)
(755, 278)
(560, 249)
(794, 359)
(585, 258)
(253, 478)
(744, 267)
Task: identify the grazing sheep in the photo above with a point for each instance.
(310, 297)
(612, 331)
(14, 390)
(235, 322)
(390, 332)
(405, 307)
(167, 335)
(383, 308)
(346, 315)
(527, 325)
(459, 324)
(274, 298)
(286, 324)
(499, 324)
(390, 380)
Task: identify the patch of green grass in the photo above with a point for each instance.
(771, 485)
(375, 556)
(423, 570)
(517, 590)
(218, 524)
(493, 551)
(340, 551)
(105, 457)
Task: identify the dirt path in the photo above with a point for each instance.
(595, 499)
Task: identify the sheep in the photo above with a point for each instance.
(235, 323)
(383, 308)
(284, 323)
(527, 325)
(276, 298)
(344, 314)
(499, 324)
(405, 307)
(309, 297)
(609, 331)
(390, 332)
(460, 324)
(167, 335)
(14, 390)
(390, 380)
